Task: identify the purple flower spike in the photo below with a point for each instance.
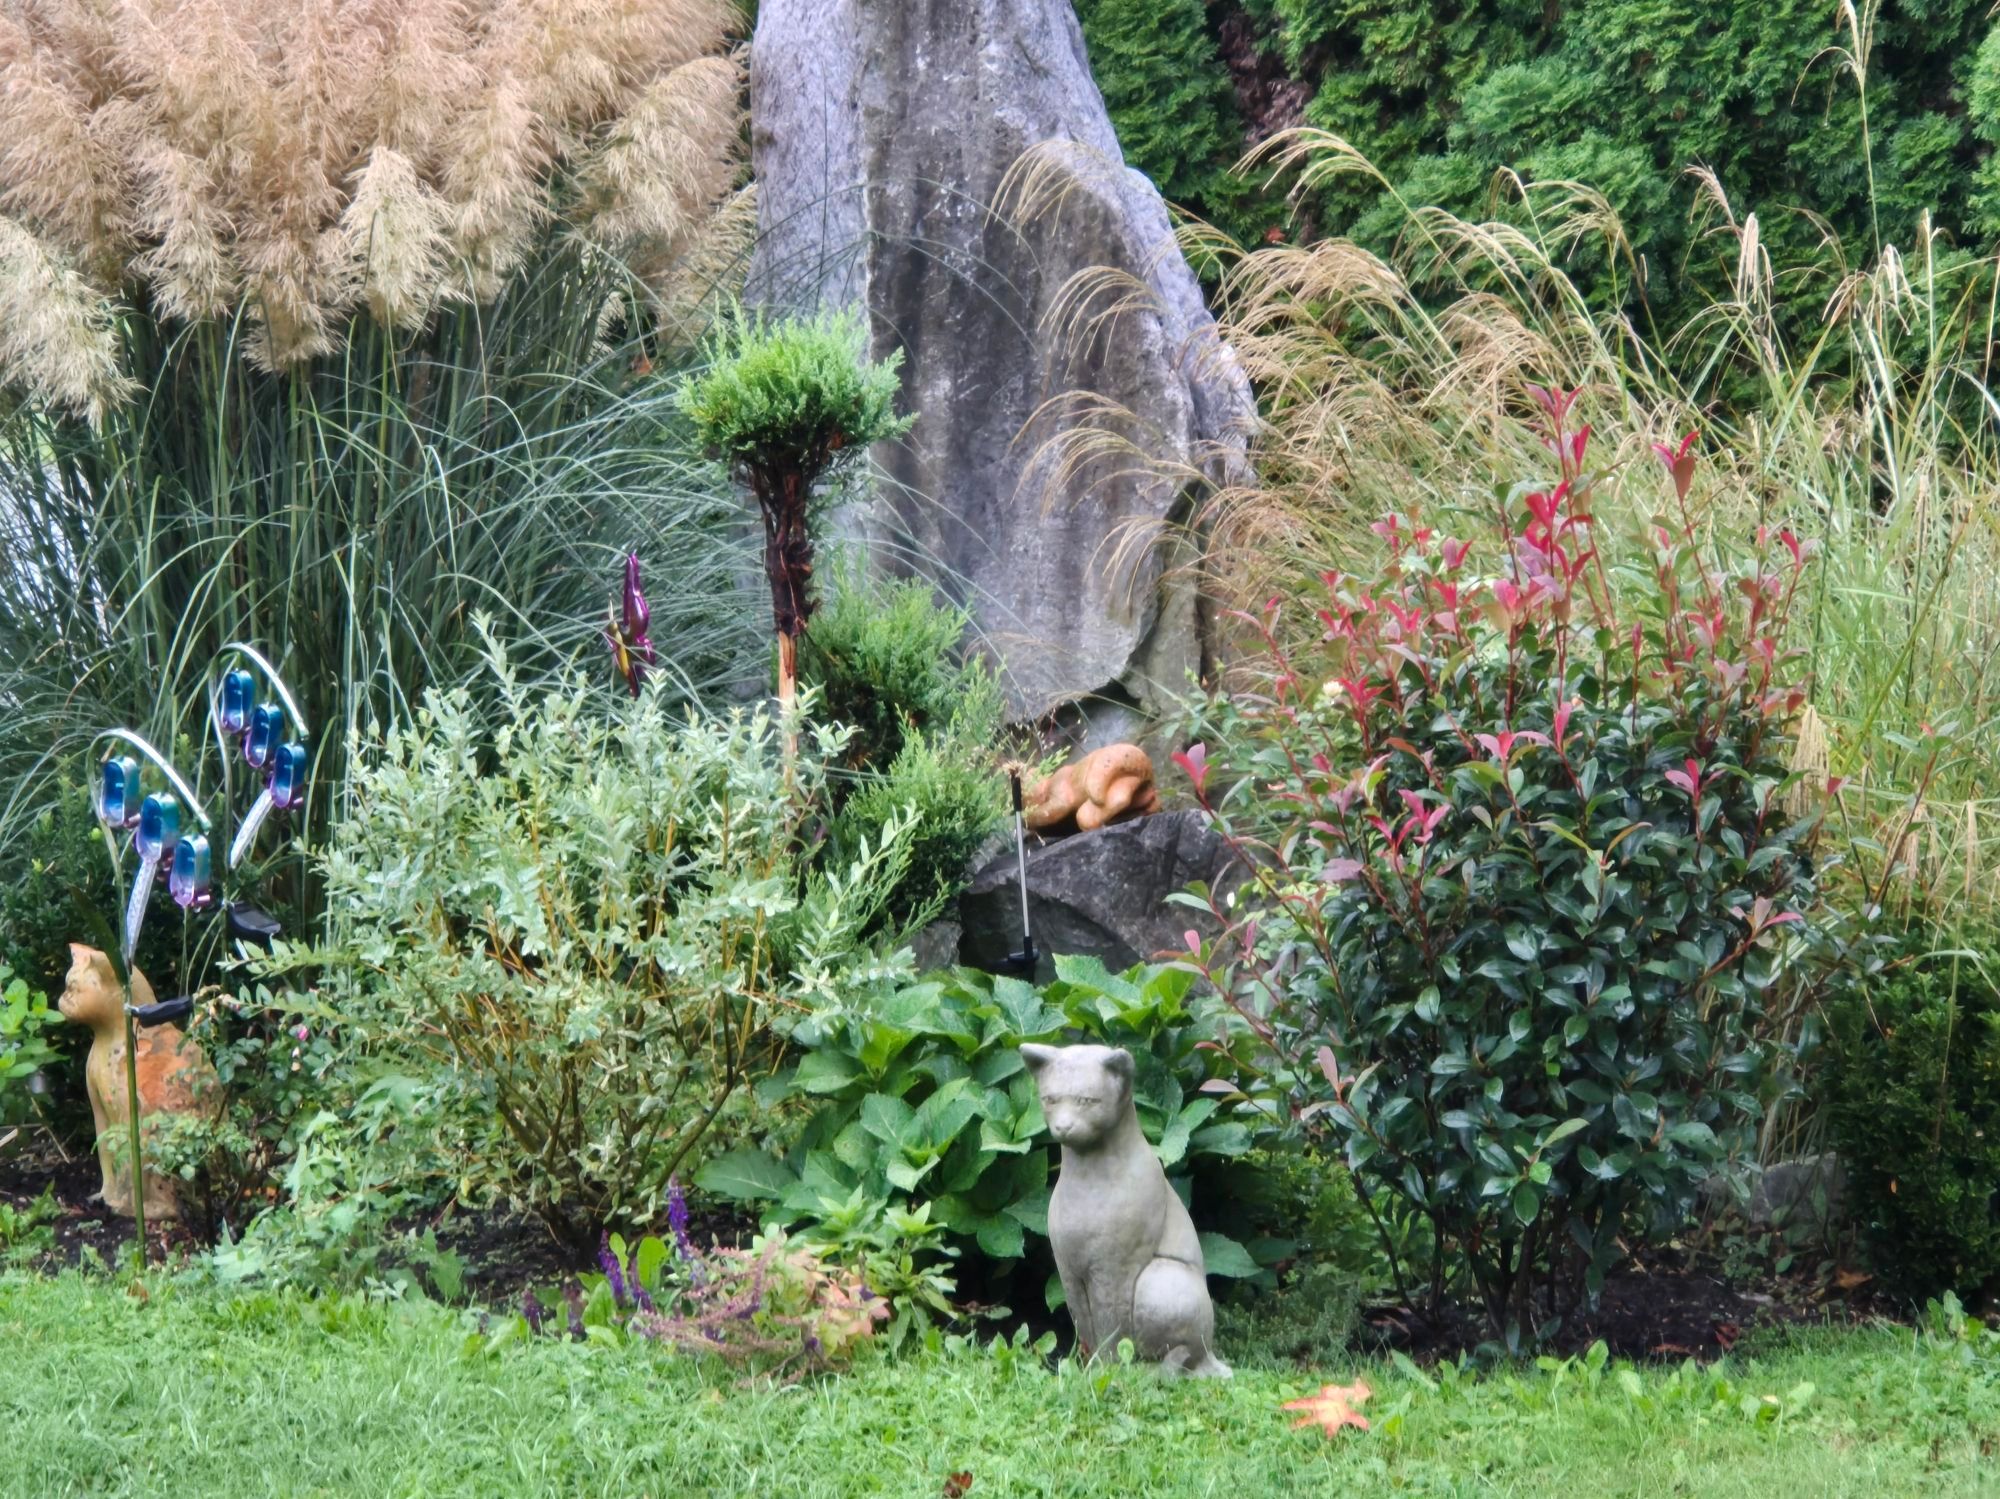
(573, 1296)
(631, 647)
(614, 1273)
(677, 1219)
(531, 1310)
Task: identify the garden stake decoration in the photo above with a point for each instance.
(258, 731)
(631, 646)
(157, 836)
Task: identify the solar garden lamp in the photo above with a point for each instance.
(156, 837)
(259, 721)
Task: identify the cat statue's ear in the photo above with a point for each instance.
(1037, 1057)
(1119, 1064)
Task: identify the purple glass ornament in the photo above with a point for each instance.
(631, 647)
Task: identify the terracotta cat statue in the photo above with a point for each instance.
(1126, 1249)
(174, 1077)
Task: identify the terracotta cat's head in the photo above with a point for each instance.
(91, 995)
(1086, 1091)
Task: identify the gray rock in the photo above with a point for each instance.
(881, 133)
(1126, 1249)
(936, 946)
(1102, 893)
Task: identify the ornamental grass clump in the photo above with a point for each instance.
(325, 326)
(288, 165)
(1526, 898)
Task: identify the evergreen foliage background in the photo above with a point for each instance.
(1625, 95)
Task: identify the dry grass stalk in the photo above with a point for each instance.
(299, 160)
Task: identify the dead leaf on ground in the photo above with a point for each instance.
(1332, 1408)
(956, 1485)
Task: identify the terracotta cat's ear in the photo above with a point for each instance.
(1037, 1057)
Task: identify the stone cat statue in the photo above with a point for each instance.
(1126, 1249)
(174, 1076)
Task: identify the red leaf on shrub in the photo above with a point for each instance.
(1679, 462)
(1555, 402)
(1563, 711)
(1688, 780)
(1329, 1066)
(1340, 871)
(1194, 761)
(1501, 745)
(1193, 940)
(1453, 552)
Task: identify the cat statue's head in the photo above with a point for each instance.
(91, 995)
(1086, 1091)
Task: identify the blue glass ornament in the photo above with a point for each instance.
(188, 880)
(159, 827)
(118, 800)
(288, 776)
(267, 732)
(239, 698)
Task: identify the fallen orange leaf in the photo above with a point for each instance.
(1332, 1408)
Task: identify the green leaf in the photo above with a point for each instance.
(1223, 1256)
(999, 1237)
(825, 1072)
(1527, 1202)
(746, 1174)
(1563, 1131)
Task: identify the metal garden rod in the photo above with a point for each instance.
(1028, 958)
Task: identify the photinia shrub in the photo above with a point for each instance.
(1524, 882)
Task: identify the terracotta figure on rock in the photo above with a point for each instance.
(1126, 1249)
(1108, 785)
(174, 1076)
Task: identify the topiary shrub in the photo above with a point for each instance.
(1911, 1086)
(887, 660)
(1524, 882)
(785, 404)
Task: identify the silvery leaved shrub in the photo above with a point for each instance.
(574, 917)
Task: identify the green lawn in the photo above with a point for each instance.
(193, 1393)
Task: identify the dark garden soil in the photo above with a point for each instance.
(503, 1253)
(1664, 1305)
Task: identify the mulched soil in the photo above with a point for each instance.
(1664, 1305)
(504, 1253)
(81, 1229)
